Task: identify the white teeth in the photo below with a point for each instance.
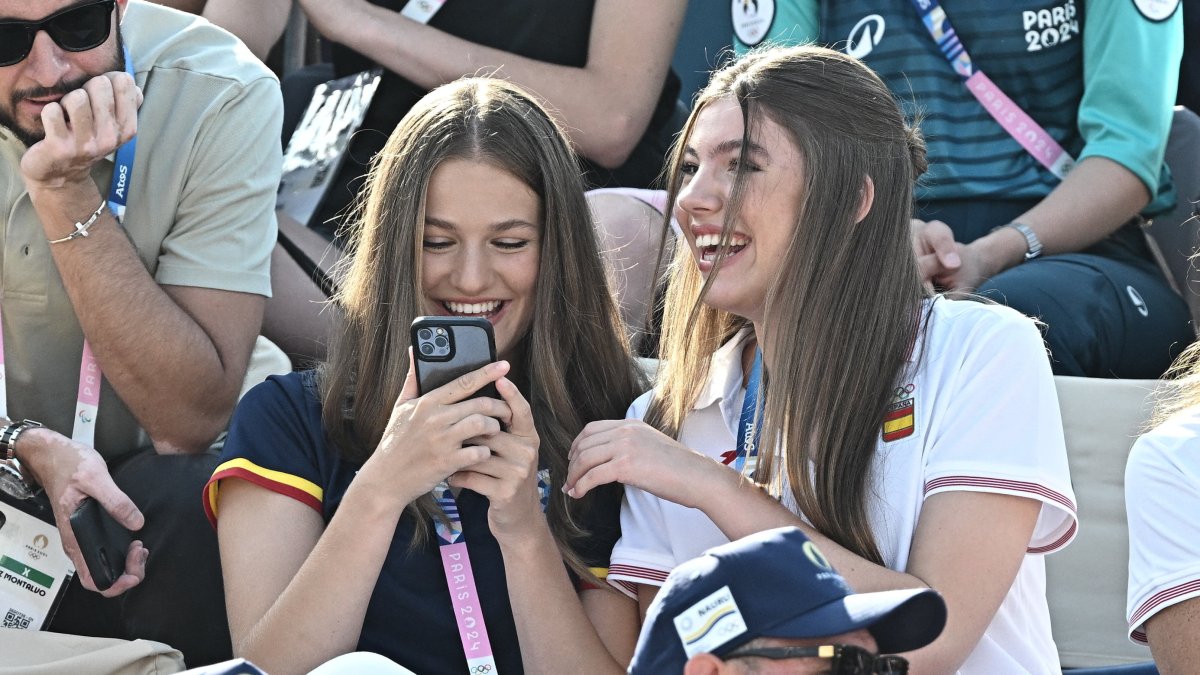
(705, 240)
(473, 307)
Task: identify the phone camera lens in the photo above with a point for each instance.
(425, 334)
(426, 348)
(441, 341)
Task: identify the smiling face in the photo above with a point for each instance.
(762, 229)
(481, 247)
(49, 71)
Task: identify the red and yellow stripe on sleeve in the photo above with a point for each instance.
(300, 489)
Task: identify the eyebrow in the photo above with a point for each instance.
(730, 145)
(502, 226)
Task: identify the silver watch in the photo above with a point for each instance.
(1033, 247)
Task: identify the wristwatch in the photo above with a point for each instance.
(9, 435)
(1033, 247)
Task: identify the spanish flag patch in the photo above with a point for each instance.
(898, 421)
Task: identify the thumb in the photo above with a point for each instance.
(410, 391)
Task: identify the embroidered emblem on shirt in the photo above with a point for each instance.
(752, 20)
(898, 421)
(1157, 10)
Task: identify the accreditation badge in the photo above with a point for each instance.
(752, 20)
(34, 569)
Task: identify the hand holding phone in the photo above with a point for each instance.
(103, 542)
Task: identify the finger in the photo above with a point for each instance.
(940, 240)
(78, 111)
(463, 386)
(590, 431)
(71, 548)
(103, 108)
(117, 503)
(409, 391)
(54, 121)
(475, 481)
(580, 465)
(135, 570)
(930, 267)
(127, 99)
(473, 426)
(602, 473)
(482, 405)
(520, 423)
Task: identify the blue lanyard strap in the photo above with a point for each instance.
(749, 427)
(118, 191)
(938, 25)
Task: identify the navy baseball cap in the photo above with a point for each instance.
(773, 584)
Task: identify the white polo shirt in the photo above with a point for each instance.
(978, 413)
(1162, 499)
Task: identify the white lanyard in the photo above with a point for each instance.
(421, 11)
(88, 399)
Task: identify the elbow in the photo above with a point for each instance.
(201, 425)
(612, 147)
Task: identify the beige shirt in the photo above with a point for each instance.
(200, 211)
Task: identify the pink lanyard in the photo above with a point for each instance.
(1007, 113)
(460, 579)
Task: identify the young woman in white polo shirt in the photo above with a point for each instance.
(917, 437)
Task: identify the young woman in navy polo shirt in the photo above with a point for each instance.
(331, 541)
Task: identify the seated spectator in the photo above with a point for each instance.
(329, 532)
(1162, 498)
(157, 255)
(773, 596)
(1100, 77)
(915, 439)
(602, 66)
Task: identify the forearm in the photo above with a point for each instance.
(1097, 197)
(258, 24)
(605, 106)
(740, 508)
(160, 362)
(292, 636)
(559, 641)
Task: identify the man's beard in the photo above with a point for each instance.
(30, 136)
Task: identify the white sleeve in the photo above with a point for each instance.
(1162, 498)
(643, 554)
(998, 426)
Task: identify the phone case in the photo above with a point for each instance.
(103, 542)
(469, 345)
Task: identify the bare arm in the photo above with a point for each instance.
(605, 106)
(259, 24)
(176, 357)
(279, 560)
(1172, 634)
(1096, 198)
(972, 567)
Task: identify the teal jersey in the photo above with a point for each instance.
(1099, 76)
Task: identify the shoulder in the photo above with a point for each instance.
(163, 39)
(1172, 449)
(966, 327)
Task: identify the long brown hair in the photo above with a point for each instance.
(843, 309)
(575, 366)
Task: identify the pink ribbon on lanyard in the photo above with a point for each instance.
(1028, 133)
(460, 580)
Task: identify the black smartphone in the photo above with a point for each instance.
(446, 347)
(103, 542)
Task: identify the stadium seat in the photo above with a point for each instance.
(1176, 234)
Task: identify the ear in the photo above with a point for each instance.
(868, 198)
(703, 664)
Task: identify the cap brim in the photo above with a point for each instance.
(900, 620)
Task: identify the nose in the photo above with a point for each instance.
(704, 194)
(47, 63)
(473, 271)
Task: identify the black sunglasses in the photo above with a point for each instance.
(75, 29)
(843, 659)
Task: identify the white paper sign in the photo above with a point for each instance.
(34, 570)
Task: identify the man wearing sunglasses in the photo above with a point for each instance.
(770, 603)
(139, 157)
